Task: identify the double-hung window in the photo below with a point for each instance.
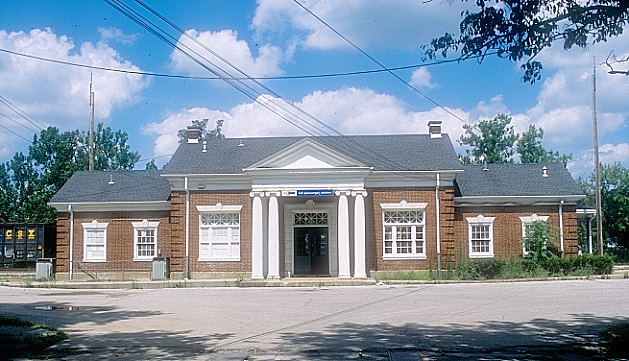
(481, 236)
(219, 233)
(404, 230)
(527, 225)
(144, 240)
(95, 241)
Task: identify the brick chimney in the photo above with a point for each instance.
(194, 134)
(434, 128)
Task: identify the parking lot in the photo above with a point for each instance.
(539, 320)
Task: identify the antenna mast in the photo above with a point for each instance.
(90, 137)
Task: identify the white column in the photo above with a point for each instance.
(274, 236)
(359, 235)
(257, 230)
(343, 235)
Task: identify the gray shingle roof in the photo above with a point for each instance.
(516, 180)
(129, 186)
(383, 152)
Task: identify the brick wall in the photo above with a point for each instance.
(119, 244)
(507, 228)
(410, 195)
(211, 198)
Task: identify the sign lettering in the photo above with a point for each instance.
(314, 192)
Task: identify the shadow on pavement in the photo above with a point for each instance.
(538, 339)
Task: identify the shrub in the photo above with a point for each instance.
(481, 269)
(540, 241)
(581, 265)
(522, 268)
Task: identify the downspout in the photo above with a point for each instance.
(437, 209)
(71, 263)
(561, 228)
(186, 262)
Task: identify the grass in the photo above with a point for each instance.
(22, 338)
(403, 275)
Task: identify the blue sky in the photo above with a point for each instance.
(277, 38)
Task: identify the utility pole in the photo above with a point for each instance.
(90, 137)
(599, 209)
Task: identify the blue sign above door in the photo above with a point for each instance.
(314, 192)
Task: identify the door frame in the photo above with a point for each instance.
(327, 226)
(329, 206)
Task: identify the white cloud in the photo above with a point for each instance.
(117, 35)
(422, 78)
(369, 23)
(166, 131)
(227, 44)
(349, 110)
(59, 94)
(608, 154)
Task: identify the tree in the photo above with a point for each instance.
(530, 149)
(614, 201)
(491, 141)
(520, 29)
(28, 182)
(151, 165)
(216, 133)
(540, 241)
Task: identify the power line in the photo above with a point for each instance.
(21, 113)
(384, 68)
(11, 131)
(351, 144)
(285, 77)
(239, 85)
(18, 123)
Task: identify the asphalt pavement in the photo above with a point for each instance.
(521, 320)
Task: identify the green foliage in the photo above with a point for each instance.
(494, 268)
(615, 203)
(492, 143)
(530, 148)
(481, 269)
(28, 182)
(151, 165)
(216, 133)
(403, 275)
(540, 241)
(519, 30)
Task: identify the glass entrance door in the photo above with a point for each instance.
(311, 251)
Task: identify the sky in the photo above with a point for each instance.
(277, 38)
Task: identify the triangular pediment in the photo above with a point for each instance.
(307, 154)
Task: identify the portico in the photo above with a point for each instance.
(277, 218)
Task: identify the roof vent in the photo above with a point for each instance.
(194, 134)
(544, 171)
(485, 168)
(241, 144)
(434, 128)
(111, 179)
(204, 147)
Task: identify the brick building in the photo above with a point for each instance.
(327, 206)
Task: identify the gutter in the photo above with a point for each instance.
(437, 209)
(186, 267)
(561, 228)
(71, 260)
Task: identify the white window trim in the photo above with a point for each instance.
(95, 226)
(403, 206)
(527, 221)
(480, 220)
(142, 226)
(220, 208)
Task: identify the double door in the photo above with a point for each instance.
(312, 255)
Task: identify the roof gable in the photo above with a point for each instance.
(307, 154)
